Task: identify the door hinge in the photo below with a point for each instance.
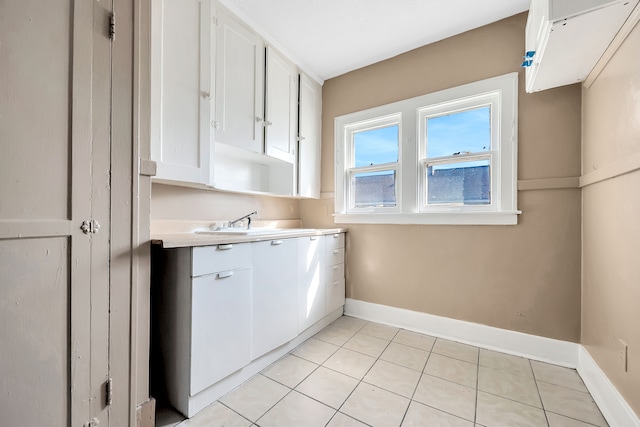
(112, 27)
(90, 226)
(109, 391)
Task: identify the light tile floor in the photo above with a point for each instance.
(358, 373)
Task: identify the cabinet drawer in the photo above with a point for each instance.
(212, 259)
(334, 241)
(335, 256)
(335, 295)
(334, 272)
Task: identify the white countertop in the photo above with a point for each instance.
(181, 240)
(181, 234)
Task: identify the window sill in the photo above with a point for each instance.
(450, 218)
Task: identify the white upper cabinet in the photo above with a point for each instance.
(181, 89)
(239, 85)
(225, 110)
(565, 39)
(309, 137)
(281, 107)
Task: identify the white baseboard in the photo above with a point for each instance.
(517, 343)
(615, 409)
(613, 406)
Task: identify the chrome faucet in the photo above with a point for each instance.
(247, 217)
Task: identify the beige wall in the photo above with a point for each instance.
(170, 202)
(525, 277)
(611, 213)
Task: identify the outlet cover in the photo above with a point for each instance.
(623, 355)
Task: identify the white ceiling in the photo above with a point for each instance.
(328, 38)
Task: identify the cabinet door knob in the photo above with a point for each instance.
(276, 242)
(225, 247)
(206, 95)
(258, 119)
(268, 123)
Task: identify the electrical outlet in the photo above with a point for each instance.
(623, 355)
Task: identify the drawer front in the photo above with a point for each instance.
(212, 259)
(335, 256)
(334, 241)
(335, 295)
(334, 273)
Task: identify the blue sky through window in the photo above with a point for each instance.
(376, 146)
(462, 132)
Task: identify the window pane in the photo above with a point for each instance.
(459, 133)
(376, 146)
(374, 189)
(462, 183)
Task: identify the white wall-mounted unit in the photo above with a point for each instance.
(569, 37)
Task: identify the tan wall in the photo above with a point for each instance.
(170, 202)
(611, 213)
(525, 277)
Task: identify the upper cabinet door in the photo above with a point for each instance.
(281, 107)
(309, 146)
(181, 89)
(239, 85)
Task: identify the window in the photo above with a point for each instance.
(372, 167)
(444, 158)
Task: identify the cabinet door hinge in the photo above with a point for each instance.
(112, 27)
(109, 391)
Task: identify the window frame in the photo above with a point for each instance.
(351, 169)
(411, 207)
(491, 99)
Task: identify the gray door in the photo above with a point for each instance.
(55, 84)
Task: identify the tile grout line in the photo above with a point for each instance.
(535, 381)
(322, 364)
(418, 383)
(443, 379)
(234, 411)
(360, 381)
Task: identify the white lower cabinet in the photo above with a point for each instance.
(274, 294)
(222, 313)
(334, 272)
(311, 289)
